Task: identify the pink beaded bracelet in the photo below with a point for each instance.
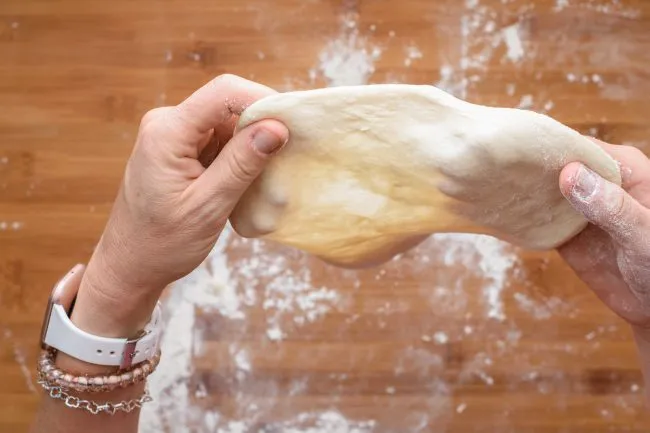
(49, 373)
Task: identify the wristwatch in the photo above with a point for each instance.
(60, 333)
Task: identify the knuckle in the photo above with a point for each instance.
(623, 216)
(153, 115)
(241, 170)
(155, 125)
(618, 207)
(153, 121)
(224, 80)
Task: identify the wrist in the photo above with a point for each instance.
(109, 305)
(102, 308)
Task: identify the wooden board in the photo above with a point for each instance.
(461, 335)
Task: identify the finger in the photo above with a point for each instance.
(220, 101)
(240, 162)
(211, 150)
(218, 139)
(632, 161)
(604, 204)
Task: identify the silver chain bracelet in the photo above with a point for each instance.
(59, 393)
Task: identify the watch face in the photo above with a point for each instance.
(64, 294)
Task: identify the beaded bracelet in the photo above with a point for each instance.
(49, 373)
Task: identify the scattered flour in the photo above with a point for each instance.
(608, 7)
(487, 258)
(19, 357)
(513, 43)
(348, 59)
(541, 310)
(560, 5)
(282, 286)
(412, 53)
(526, 102)
(440, 337)
(287, 292)
(13, 225)
(325, 422)
(309, 422)
(229, 290)
(480, 41)
(171, 410)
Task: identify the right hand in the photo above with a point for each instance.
(613, 254)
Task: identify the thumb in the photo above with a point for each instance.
(240, 162)
(603, 203)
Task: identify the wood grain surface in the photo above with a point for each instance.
(463, 334)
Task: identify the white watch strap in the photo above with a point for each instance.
(65, 337)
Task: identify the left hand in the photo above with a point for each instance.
(612, 255)
(187, 171)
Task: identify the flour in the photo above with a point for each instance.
(513, 43)
(440, 337)
(526, 102)
(171, 408)
(280, 286)
(11, 225)
(485, 257)
(560, 5)
(606, 7)
(348, 59)
(324, 422)
(228, 290)
(412, 53)
(448, 81)
(480, 42)
(542, 310)
(19, 357)
(287, 292)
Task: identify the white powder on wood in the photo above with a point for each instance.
(478, 45)
(513, 43)
(347, 60)
(488, 258)
(289, 299)
(19, 357)
(412, 53)
(542, 309)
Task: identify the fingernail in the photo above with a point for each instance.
(266, 142)
(586, 184)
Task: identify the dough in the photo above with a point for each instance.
(370, 171)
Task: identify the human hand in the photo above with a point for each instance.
(185, 175)
(613, 254)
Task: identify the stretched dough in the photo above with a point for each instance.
(370, 171)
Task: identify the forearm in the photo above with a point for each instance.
(100, 315)
(642, 337)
